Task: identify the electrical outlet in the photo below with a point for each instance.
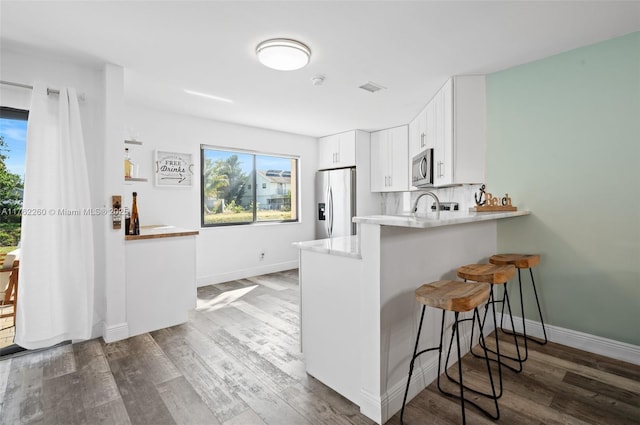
(261, 255)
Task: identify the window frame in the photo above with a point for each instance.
(253, 185)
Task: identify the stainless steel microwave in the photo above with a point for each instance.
(422, 169)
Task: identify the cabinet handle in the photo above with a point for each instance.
(390, 184)
(440, 167)
(422, 140)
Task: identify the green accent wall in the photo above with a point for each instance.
(564, 142)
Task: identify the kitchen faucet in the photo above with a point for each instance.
(433, 195)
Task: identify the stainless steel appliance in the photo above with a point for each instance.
(336, 202)
(422, 169)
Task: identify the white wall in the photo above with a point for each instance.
(87, 79)
(222, 253)
(229, 252)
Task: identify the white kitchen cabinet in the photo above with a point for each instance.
(418, 140)
(459, 131)
(389, 165)
(337, 151)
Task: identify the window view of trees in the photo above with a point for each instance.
(239, 187)
(12, 147)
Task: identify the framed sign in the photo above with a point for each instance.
(173, 169)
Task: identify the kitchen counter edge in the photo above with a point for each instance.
(447, 218)
(161, 231)
(345, 246)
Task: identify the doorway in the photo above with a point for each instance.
(13, 138)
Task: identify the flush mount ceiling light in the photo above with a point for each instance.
(283, 54)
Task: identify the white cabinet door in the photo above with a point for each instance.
(337, 151)
(326, 152)
(414, 137)
(379, 164)
(347, 149)
(443, 148)
(418, 140)
(399, 165)
(430, 131)
(389, 164)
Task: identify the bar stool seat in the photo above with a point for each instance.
(452, 295)
(522, 261)
(490, 273)
(495, 275)
(457, 297)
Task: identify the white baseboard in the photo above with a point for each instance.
(580, 340)
(115, 333)
(370, 406)
(245, 273)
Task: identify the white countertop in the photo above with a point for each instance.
(346, 246)
(447, 218)
(349, 246)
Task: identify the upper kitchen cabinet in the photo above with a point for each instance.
(337, 151)
(421, 131)
(389, 166)
(459, 131)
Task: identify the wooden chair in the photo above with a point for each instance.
(10, 264)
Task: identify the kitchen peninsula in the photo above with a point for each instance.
(359, 316)
(160, 277)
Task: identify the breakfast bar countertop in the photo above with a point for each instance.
(447, 218)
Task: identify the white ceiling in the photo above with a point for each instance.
(208, 46)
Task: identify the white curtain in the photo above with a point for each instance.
(56, 280)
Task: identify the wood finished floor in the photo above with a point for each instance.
(237, 362)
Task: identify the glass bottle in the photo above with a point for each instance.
(134, 225)
(127, 164)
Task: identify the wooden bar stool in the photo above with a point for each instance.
(522, 261)
(495, 275)
(458, 297)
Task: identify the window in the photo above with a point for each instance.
(13, 142)
(241, 187)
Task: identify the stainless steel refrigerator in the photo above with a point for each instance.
(335, 202)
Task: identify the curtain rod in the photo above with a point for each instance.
(27, 86)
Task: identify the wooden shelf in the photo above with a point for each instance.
(132, 142)
(493, 208)
(135, 179)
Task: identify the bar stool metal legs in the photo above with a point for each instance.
(416, 354)
(522, 261)
(457, 297)
(494, 394)
(518, 359)
(494, 275)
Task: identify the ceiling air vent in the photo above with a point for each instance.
(372, 87)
